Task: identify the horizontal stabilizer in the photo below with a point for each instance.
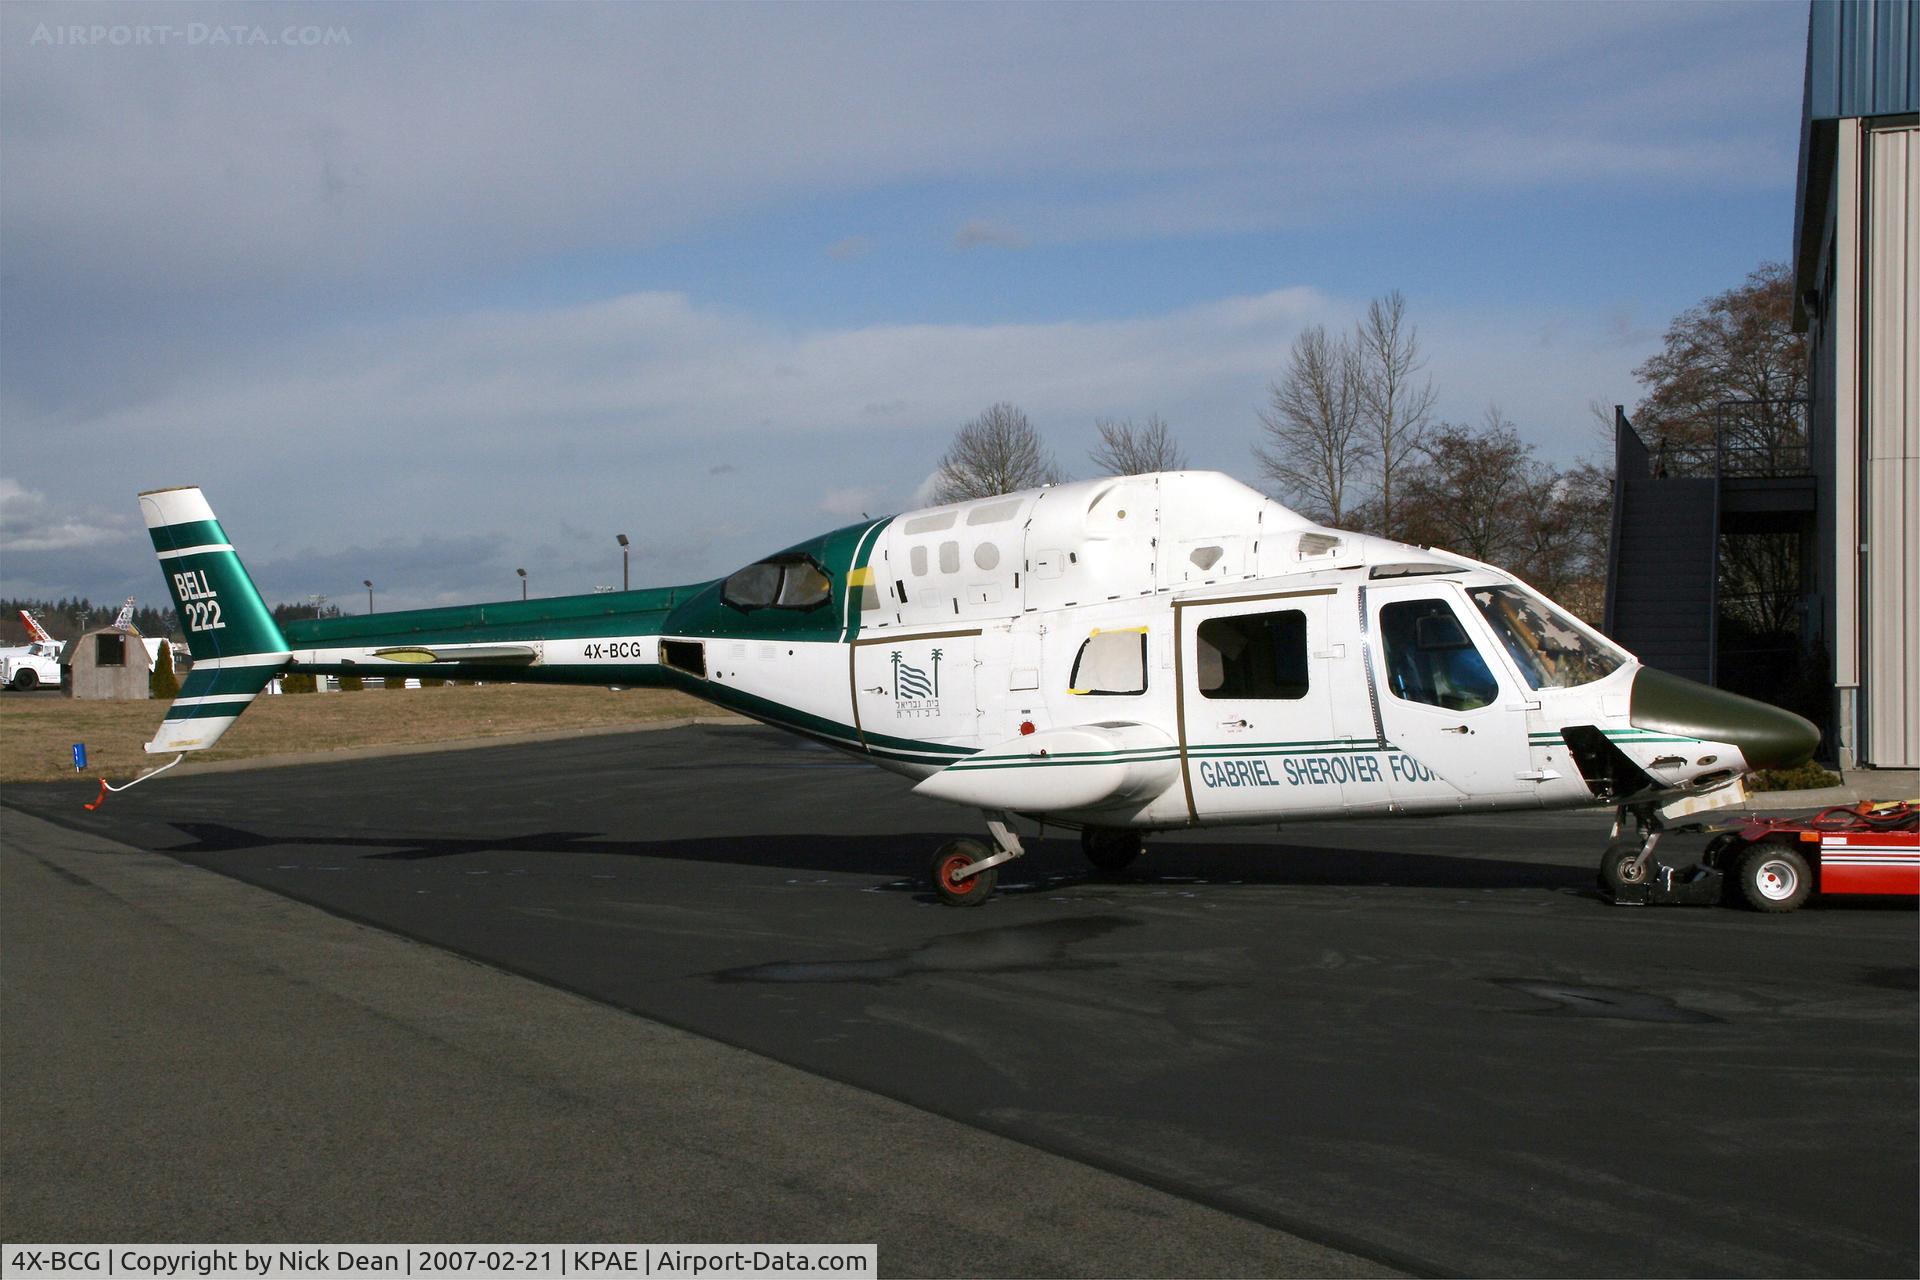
(1091, 766)
(505, 655)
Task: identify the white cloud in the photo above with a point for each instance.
(29, 522)
(505, 432)
(436, 140)
(977, 233)
(849, 504)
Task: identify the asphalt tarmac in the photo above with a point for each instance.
(1425, 1045)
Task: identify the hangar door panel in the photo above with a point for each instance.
(1892, 367)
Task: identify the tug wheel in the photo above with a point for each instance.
(955, 856)
(1618, 870)
(1775, 877)
(1110, 850)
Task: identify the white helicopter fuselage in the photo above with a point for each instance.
(1175, 650)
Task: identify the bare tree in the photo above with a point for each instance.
(1735, 346)
(998, 452)
(1472, 490)
(1314, 444)
(1395, 401)
(1481, 492)
(1565, 552)
(1134, 449)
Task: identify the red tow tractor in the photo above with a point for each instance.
(1776, 864)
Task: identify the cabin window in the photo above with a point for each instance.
(931, 524)
(110, 651)
(1206, 557)
(918, 562)
(782, 582)
(1431, 659)
(1551, 652)
(987, 556)
(1111, 663)
(994, 512)
(949, 557)
(1260, 656)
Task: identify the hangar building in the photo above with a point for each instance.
(1856, 260)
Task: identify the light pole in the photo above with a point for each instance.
(625, 584)
(523, 582)
(368, 584)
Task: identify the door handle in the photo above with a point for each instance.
(1235, 724)
(1458, 728)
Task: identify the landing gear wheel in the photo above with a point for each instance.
(1110, 850)
(1774, 877)
(1618, 870)
(958, 855)
(26, 681)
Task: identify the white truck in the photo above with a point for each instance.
(33, 664)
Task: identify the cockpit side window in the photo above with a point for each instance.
(1431, 659)
(804, 586)
(780, 582)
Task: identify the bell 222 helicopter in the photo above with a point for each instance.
(1125, 655)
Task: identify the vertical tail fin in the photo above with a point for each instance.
(237, 648)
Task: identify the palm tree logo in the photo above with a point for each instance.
(910, 681)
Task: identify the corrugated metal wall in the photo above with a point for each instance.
(1863, 58)
(1892, 447)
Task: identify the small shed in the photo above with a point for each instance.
(104, 664)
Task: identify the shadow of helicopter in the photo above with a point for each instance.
(1055, 862)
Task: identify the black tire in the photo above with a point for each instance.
(1617, 870)
(1110, 849)
(1775, 877)
(26, 680)
(972, 891)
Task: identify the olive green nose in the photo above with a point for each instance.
(1767, 736)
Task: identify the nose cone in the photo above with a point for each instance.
(1767, 736)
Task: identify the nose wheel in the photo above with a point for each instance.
(1627, 868)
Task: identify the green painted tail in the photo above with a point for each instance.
(237, 648)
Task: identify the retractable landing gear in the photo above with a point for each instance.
(1630, 876)
(965, 873)
(1110, 849)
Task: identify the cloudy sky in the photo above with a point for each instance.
(428, 293)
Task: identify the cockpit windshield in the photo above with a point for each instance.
(1551, 652)
(780, 582)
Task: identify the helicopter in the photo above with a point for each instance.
(1121, 656)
